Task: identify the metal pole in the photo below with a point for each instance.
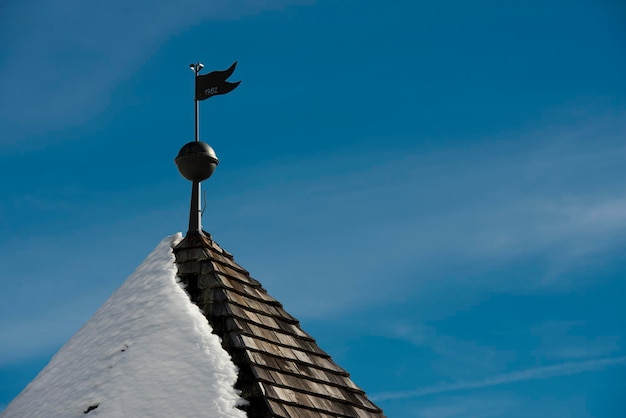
(196, 103)
(195, 210)
(197, 121)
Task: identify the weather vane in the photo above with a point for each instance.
(196, 160)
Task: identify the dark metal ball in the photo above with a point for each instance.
(196, 161)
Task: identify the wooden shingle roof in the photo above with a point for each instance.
(282, 371)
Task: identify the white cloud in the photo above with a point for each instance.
(535, 373)
(555, 195)
(456, 358)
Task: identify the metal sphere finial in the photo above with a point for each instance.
(196, 161)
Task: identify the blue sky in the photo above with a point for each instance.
(435, 189)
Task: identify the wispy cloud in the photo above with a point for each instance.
(60, 60)
(535, 373)
(572, 340)
(468, 407)
(554, 195)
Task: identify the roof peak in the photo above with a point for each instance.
(282, 371)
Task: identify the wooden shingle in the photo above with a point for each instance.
(282, 371)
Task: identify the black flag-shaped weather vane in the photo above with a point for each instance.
(214, 83)
(209, 85)
(196, 160)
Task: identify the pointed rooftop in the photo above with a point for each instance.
(147, 352)
(282, 371)
(153, 350)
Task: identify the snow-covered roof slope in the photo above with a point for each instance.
(147, 352)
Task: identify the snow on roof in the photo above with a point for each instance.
(148, 351)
